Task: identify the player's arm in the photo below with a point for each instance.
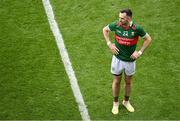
(106, 31)
(146, 43)
(113, 48)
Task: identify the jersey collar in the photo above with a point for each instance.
(131, 23)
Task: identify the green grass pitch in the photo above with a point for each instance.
(34, 84)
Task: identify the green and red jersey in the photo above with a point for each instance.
(126, 38)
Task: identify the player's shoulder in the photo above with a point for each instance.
(113, 25)
(115, 22)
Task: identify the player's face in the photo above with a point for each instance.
(123, 18)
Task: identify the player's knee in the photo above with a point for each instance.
(116, 82)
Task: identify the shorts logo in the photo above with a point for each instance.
(113, 69)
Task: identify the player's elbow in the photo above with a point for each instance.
(148, 39)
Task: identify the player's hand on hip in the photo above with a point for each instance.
(135, 55)
(114, 49)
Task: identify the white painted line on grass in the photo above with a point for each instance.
(65, 58)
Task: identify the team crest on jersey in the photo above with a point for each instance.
(132, 33)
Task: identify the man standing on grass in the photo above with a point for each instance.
(124, 54)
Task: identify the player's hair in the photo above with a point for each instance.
(127, 11)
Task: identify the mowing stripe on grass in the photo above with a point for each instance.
(65, 58)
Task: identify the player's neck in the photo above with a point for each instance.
(128, 24)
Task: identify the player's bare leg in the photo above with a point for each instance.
(128, 81)
(126, 103)
(115, 91)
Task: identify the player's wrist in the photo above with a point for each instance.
(140, 52)
(108, 43)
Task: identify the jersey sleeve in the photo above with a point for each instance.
(141, 32)
(112, 26)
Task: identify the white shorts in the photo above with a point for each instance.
(118, 66)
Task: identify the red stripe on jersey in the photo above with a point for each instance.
(126, 41)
